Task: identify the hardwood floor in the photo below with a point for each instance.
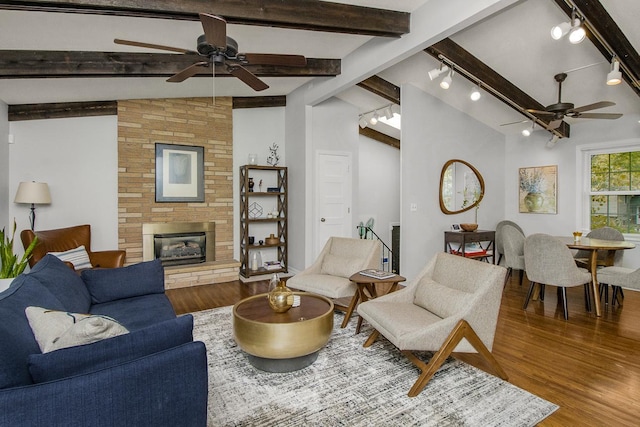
(588, 366)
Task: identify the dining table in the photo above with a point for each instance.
(593, 246)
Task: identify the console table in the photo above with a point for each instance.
(455, 242)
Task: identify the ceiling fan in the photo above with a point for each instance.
(558, 111)
(219, 49)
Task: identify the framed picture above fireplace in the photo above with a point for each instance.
(179, 173)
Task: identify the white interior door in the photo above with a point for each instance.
(333, 197)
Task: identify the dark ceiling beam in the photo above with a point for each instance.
(379, 136)
(60, 110)
(259, 101)
(297, 14)
(506, 90)
(602, 30)
(22, 64)
(382, 88)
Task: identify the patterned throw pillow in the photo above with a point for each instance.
(60, 329)
(78, 257)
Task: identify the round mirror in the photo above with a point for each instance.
(461, 187)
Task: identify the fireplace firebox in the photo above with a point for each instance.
(178, 243)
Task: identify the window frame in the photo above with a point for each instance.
(583, 176)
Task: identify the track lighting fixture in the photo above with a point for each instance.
(615, 76)
(436, 72)
(363, 121)
(374, 119)
(475, 93)
(388, 113)
(552, 142)
(529, 131)
(573, 28)
(446, 81)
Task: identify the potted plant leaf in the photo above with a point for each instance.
(10, 266)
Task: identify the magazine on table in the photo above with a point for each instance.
(377, 274)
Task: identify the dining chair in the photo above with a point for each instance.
(619, 278)
(513, 241)
(499, 239)
(549, 262)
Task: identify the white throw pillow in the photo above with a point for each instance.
(439, 299)
(78, 257)
(60, 329)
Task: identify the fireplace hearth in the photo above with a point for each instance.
(179, 243)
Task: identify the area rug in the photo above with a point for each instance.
(349, 385)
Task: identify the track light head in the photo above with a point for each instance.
(446, 81)
(577, 34)
(526, 132)
(553, 141)
(363, 121)
(436, 72)
(560, 30)
(615, 76)
(374, 119)
(475, 93)
(388, 113)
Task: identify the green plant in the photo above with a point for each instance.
(9, 261)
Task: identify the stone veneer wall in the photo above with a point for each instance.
(186, 121)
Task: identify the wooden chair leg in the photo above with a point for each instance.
(352, 306)
(462, 330)
(374, 336)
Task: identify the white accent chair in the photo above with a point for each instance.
(329, 275)
(452, 305)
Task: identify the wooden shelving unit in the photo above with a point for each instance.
(275, 177)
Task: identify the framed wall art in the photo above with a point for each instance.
(538, 188)
(179, 173)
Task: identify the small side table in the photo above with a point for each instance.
(486, 239)
(366, 291)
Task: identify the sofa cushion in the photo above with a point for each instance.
(82, 359)
(62, 282)
(16, 339)
(137, 312)
(77, 256)
(55, 329)
(341, 266)
(111, 284)
(439, 299)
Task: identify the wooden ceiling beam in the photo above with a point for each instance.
(380, 137)
(382, 88)
(60, 110)
(259, 101)
(602, 30)
(296, 14)
(508, 92)
(20, 64)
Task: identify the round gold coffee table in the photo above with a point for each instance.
(282, 342)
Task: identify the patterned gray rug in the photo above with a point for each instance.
(353, 386)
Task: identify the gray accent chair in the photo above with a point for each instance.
(329, 275)
(513, 241)
(452, 305)
(500, 239)
(619, 278)
(549, 262)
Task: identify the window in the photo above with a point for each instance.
(614, 191)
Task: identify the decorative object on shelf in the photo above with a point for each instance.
(251, 184)
(273, 190)
(252, 240)
(256, 261)
(273, 158)
(261, 242)
(273, 283)
(253, 159)
(272, 265)
(281, 298)
(538, 189)
(179, 173)
(255, 210)
(469, 227)
(260, 186)
(272, 239)
(34, 193)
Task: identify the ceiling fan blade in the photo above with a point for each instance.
(247, 77)
(215, 30)
(153, 46)
(608, 116)
(273, 59)
(594, 106)
(190, 71)
(540, 112)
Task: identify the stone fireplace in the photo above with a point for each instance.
(179, 243)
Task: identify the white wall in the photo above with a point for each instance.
(432, 133)
(78, 158)
(254, 131)
(4, 167)
(379, 183)
(527, 152)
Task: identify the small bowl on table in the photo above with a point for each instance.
(469, 227)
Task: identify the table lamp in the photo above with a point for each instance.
(34, 193)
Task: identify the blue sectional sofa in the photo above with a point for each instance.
(155, 375)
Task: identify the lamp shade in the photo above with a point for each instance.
(33, 192)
